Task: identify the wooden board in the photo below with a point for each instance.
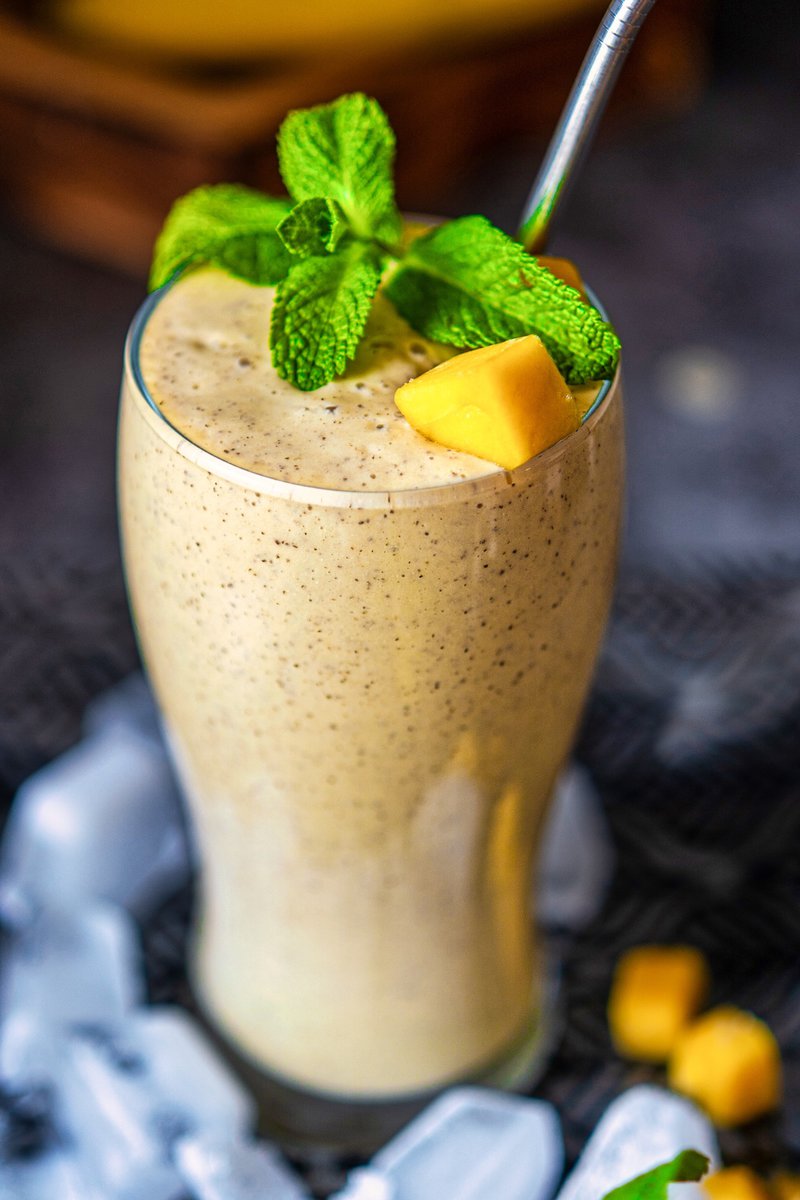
(93, 152)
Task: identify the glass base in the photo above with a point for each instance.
(309, 1125)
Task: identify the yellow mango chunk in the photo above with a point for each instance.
(729, 1062)
(565, 269)
(785, 1186)
(504, 403)
(736, 1183)
(656, 992)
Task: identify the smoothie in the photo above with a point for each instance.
(371, 652)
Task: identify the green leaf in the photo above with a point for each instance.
(344, 150)
(687, 1167)
(226, 224)
(320, 311)
(468, 284)
(313, 227)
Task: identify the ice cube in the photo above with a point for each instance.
(130, 1092)
(577, 859)
(215, 1168)
(102, 821)
(189, 1074)
(129, 705)
(365, 1183)
(470, 1144)
(25, 1120)
(641, 1129)
(54, 1175)
(64, 969)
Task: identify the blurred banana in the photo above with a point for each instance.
(248, 29)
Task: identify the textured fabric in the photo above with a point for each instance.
(65, 636)
(691, 736)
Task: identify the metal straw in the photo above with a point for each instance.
(583, 110)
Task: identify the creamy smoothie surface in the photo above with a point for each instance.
(369, 700)
(206, 361)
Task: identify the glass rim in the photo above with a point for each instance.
(379, 498)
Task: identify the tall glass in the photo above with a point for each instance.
(369, 697)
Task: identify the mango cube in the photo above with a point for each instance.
(565, 269)
(736, 1183)
(729, 1062)
(785, 1186)
(504, 403)
(656, 992)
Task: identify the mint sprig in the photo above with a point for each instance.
(468, 284)
(227, 224)
(343, 150)
(320, 311)
(687, 1167)
(313, 227)
(465, 283)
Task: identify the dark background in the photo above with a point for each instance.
(688, 225)
(686, 221)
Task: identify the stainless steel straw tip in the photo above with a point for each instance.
(582, 112)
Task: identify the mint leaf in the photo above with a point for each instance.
(687, 1167)
(313, 227)
(465, 283)
(468, 284)
(226, 224)
(344, 150)
(320, 311)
